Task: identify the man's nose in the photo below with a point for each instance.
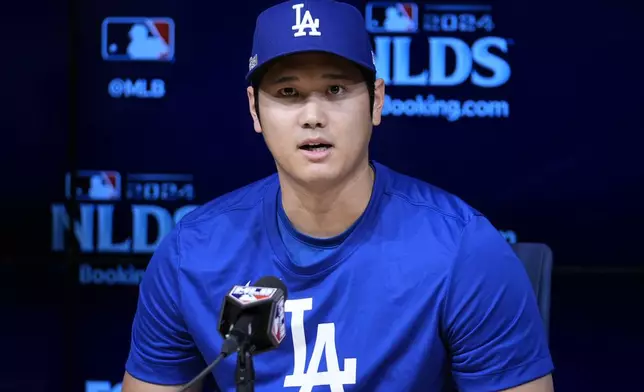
(313, 114)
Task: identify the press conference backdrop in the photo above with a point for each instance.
(531, 112)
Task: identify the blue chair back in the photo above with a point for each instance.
(537, 259)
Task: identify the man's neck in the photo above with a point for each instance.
(329, 212)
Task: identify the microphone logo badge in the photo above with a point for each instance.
(248, 294)
(278, 328)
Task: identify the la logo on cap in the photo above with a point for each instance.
(306, 22)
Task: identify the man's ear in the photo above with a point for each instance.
(378, 101)
(251, 107)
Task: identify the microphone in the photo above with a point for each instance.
(254, 316)
(252, 320)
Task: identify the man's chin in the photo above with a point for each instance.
(317, 175)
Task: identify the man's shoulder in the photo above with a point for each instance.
(246, 198)
(435, 200)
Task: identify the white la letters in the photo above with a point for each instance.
(324, 342)
(306, 22)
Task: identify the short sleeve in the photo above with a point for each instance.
(494, 331)
(162, 351)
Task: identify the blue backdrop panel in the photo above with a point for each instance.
(530, 112)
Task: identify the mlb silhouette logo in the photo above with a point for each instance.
(94, 185)
(138, 39)
(278, 328)
(247, 294)
(391, 17)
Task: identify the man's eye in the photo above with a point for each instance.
(335, 90)
(288, 92)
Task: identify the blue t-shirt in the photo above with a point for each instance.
(422, 289)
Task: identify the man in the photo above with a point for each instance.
(394, 285)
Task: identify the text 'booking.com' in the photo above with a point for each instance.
(452, 109)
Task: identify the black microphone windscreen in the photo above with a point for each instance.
(273, 282)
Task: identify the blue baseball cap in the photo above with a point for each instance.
(298, 26)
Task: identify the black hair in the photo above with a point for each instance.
(368, 76)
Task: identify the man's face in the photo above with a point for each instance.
(315, 116)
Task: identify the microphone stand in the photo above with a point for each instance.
(245, 372)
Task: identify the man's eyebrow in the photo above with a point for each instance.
(284, 79)
(330, 76)
(336, 76)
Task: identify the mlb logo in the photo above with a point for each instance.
(278, 329)
(138, 39)
(248, 294)
(94, 185)
(391, 17)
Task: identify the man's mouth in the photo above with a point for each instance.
(315, 146)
